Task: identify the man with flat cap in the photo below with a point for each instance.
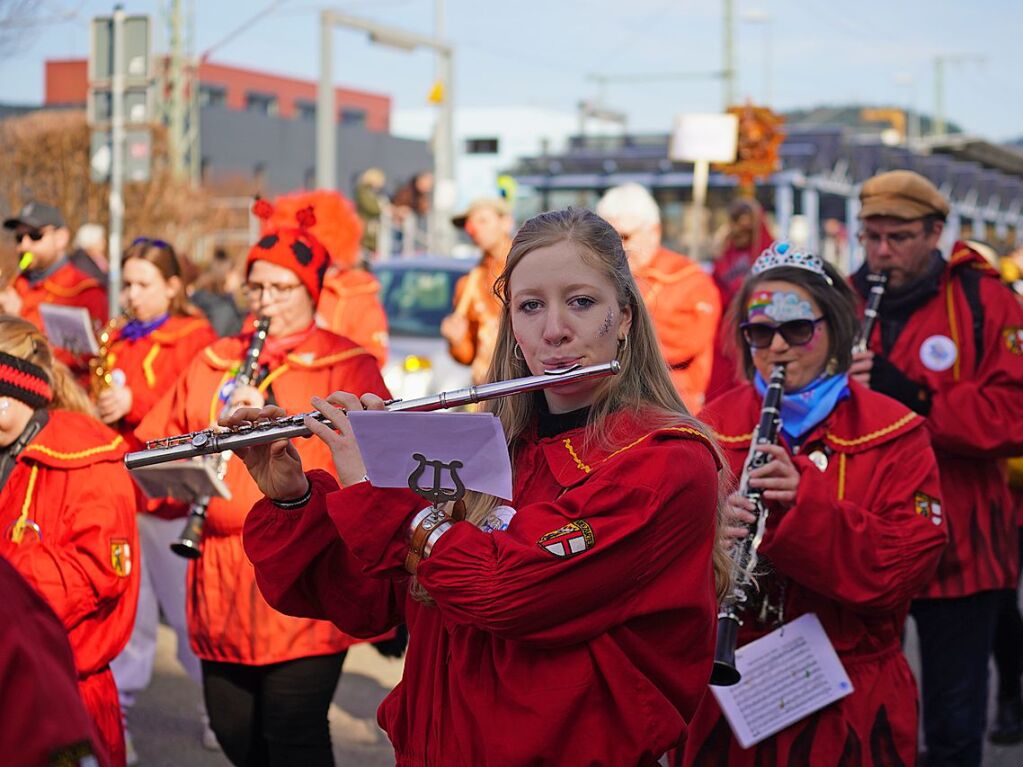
(471, 329)
(50, 274)
(949, 344)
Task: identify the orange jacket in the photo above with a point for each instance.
(350, 306)
(78, 548)
(474, 299)
(685, 305)
(228, 619)
(152, 364)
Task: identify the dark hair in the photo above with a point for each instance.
(161, 255)
(836, 301)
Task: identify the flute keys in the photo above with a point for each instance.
(201, 439)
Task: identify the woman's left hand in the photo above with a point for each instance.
(341, 440)
(778, 478)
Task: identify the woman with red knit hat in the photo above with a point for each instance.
(268, 678)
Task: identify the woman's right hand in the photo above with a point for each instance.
(276, 467)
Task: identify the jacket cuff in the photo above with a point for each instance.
(888, 379)
(374, 523)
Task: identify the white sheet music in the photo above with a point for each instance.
(786, 676)
(69, 327)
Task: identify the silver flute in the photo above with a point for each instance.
(209, 441)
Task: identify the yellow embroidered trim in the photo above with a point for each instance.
(18, 531)
(736, 438)
(322, 361)
(216, 396)
(567, 442)
(220, 361)
(80, 454)
(954, 328)
(74, 290)
(874, 434)
(265, 384)
(147, 365)
(841, 476)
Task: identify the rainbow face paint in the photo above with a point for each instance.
(779, 306)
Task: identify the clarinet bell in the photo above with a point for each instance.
(725, 674)
(189, 545)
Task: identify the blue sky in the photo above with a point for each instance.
(533, 52)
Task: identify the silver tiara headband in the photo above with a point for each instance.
(783, 254)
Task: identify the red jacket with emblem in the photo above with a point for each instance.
(152, 364)
(976, 417)
(594, 651)
(862, 538)
(228, 619)
(350, 306)
(685, 306)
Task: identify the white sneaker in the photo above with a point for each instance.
(209, 738)
(131, 757)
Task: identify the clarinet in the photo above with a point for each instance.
(744, 552)
(878, 282)
(189, 545)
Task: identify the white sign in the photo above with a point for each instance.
(704, 137)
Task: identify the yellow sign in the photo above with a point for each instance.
(436, 95)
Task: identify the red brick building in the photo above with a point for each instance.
(242, 90)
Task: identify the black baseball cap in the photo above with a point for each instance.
(36, 215)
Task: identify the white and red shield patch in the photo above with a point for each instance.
(928, 506)
(120, 557)
(1013, 339)
(574, 538)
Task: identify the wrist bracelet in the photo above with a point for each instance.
(442, 528)
(297, 503)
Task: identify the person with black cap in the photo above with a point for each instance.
(948, 344)
(50, 274)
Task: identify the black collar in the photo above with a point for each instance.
(552, 424)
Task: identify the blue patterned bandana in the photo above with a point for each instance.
(804, 408)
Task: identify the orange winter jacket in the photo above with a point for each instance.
(350, 306)
(685, 305)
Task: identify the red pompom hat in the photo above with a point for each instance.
(295, 248)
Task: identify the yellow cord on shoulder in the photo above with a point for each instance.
(18, 532)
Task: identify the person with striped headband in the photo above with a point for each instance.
(67, 515)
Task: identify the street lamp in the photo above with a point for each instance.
(763, 18)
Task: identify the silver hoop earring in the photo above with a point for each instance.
(517, 353)
(623, 344)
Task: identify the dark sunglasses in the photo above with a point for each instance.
(149, 241)
(33, 234)
(759, 335)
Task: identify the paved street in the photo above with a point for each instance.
(165, 723)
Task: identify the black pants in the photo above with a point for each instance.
(1008, 649)
(955, 644)
(276, 715)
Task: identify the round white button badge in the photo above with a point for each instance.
(938, 353)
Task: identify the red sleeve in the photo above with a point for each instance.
(983, 417)
(304, 569)
(75, 574)
(508, 584)
(875, 555)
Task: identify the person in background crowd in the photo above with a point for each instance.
(471, 329)
(414, 198)
(560, 615)
(44, 721)
(370, 201)
(67, 514)
(948, 344)
(743, 238)
(682, 300)
(216, 291)
(147, 355)
(855, 525)
(349, 304)
(267, 678)
(90, 250)
(48, 273)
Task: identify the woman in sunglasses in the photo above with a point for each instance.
(268, 678)
(854, 527)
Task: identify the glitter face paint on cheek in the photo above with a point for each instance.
(606, 327)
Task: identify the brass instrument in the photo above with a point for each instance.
(210, 441)
(744, 552)
(101, 367)
(878, 282)
(189, 545)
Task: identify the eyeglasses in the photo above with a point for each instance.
(895, 240)
(760, 335)
(149, 241)
(272, 290)
(33, 234)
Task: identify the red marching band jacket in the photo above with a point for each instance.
(976, 418)
(228, 619)
(68, 286)
(78, 548)
(862, 539)
(581, 634)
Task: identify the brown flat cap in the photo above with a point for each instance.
(497, 204)
(901, 194)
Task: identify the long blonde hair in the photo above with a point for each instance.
(643, 387)
(24, 340)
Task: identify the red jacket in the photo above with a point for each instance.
(526, 658)
(854, 549)
(976, 418)
(44, 721)
(685, 307)
(228, 620)
(68, 286)
(70, 482)
(152, 364)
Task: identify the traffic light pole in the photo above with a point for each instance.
(116, 164)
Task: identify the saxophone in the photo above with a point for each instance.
(101, 367)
